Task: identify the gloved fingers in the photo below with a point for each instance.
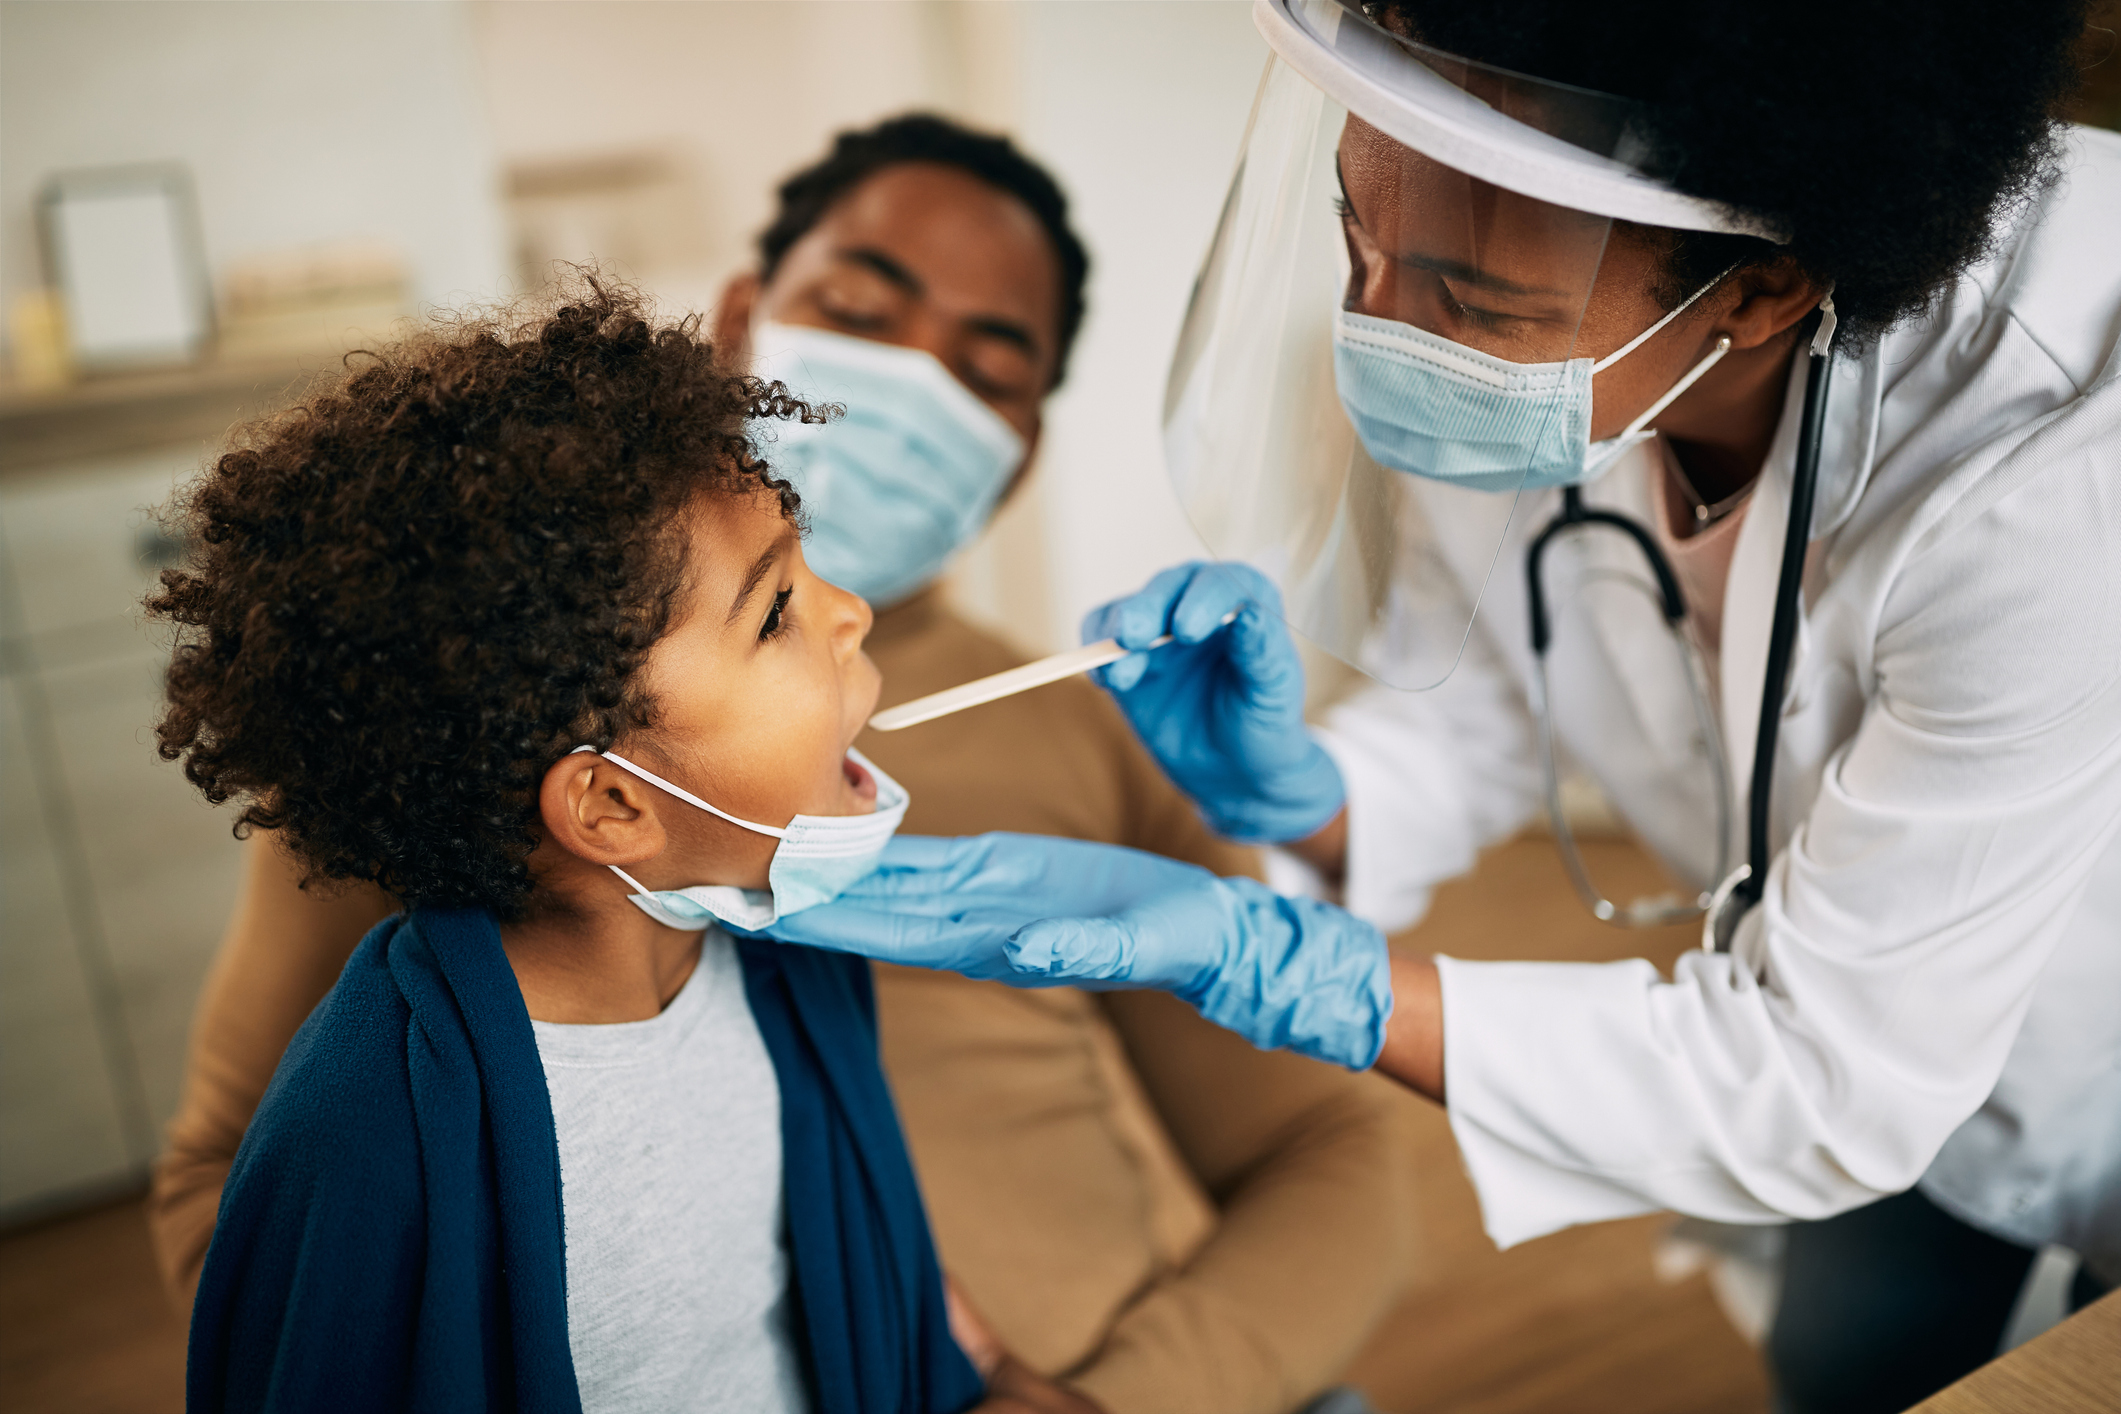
(1072, 949)
(917, 866)
(1108, 621)
(1140, 618)
(850, 926)
(1216, 591)
(1122, 675)
(956, 940)
(1021, 876)
(1262, 649)
(1102, 622)
(917, 852)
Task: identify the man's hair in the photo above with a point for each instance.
(412, 593)
(856, 156)
(1893, 143)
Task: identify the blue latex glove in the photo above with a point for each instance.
(1034, 911)
(1222, 708)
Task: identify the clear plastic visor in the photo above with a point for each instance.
(1384, 350)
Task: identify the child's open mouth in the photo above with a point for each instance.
(864, 784)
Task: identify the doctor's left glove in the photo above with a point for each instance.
(1032, 911)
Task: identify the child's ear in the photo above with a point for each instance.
(599, 813)
(732, 320)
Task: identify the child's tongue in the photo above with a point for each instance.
(864, 784)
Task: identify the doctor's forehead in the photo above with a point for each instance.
(940, 235)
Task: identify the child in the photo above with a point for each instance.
(514, 623)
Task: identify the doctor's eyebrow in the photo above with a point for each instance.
(753, 578)
(1467, 274)
(1436, 265)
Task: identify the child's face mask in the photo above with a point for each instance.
(818, 857)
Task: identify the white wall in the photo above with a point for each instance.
(736, 94)
(334, 120)
(1139, 108)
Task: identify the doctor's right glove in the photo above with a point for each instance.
(1032, 911)
(1221, 707)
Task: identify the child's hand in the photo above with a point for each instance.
(1012, 1386)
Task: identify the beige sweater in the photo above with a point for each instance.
(1135, 1199)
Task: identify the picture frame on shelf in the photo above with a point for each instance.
(123, 250)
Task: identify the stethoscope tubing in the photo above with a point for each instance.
(1736, 894)
(1782, 635)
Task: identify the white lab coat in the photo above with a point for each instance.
(1931, 989)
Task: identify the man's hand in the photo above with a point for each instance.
(1012, 1386)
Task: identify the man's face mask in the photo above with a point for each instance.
(905, 478)
(818, 857)
(1426, 405)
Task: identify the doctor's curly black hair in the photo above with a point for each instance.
(1892, 141)
(414, 591)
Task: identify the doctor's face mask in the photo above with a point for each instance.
(758, 690)
(1459, 350)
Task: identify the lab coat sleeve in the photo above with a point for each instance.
(1869, 1003)
(1433, 778)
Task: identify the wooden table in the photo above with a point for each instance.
(2074, 1367)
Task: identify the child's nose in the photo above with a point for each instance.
(851, 618)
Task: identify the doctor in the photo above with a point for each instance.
(1472, 339)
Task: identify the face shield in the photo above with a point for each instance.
(1387, 344)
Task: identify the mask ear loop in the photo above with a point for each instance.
(682, 794)
(1646, 335)
(679, 791)
(1649, 414)
(1715, 356)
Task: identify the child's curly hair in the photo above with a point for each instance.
(415, 591)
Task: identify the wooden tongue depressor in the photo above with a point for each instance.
(1008, 684)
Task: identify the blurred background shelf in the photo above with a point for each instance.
(97, 417)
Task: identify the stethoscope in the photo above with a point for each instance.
(1739, 888)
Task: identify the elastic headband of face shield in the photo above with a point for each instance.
(1571, 147)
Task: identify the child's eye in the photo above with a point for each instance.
(776, 615)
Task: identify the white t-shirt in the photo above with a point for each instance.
(670, 1183)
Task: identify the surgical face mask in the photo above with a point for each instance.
(818, 857)
(906, 477)
(1426, 405)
